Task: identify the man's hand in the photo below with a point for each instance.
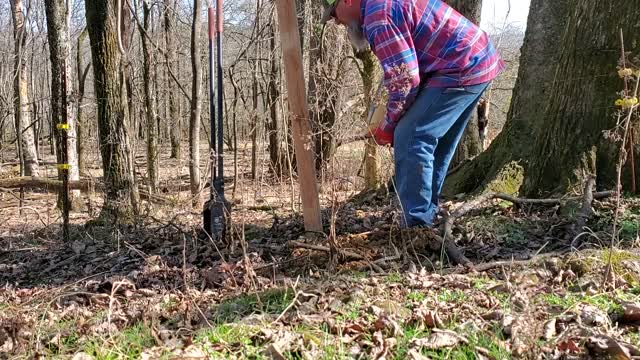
(382, 138)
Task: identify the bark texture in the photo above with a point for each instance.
(196, 104)
(563, 102)
(174, 114)
(59, 51)
(122, 198)
(149, 101)
(25, 130)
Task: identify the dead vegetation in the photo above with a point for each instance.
(159, 289)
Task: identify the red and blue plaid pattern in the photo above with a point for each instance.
(425, 42)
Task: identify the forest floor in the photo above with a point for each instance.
(159, 289)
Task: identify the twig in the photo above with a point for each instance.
(293, 302)
(345, 253)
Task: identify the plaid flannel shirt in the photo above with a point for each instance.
(425, 42)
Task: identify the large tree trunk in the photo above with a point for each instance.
(83, 130)
(196, 107)
(149, 101)
(24, 129)
(59, 50)
(559, 102)
(470, 145)
(571, 145)
(174, 114)
(122, 197)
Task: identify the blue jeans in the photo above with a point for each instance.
(425, 140)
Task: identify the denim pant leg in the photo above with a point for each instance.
(416, 140)
(447, 146)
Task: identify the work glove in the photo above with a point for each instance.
(383, 138)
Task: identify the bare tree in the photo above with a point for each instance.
(107, 52)
(59, 50)
(196, 104)
(82, 71)
(149, 101)
(174, 114)
(24, 128)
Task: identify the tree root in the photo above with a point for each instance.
(456, 255)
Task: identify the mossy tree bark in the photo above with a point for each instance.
(470, 145)
(562, 103)
(121, 194)
(59, 51)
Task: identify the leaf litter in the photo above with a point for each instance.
(162, 293)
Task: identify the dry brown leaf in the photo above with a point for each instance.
(82, 356)
(382, 347)
(549, 329)
(591, 315)
(602, 345)
(568, 346)
(631, 313)
(440, 339)
(414, 354)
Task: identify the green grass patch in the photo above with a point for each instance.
(393, 278)
(272, 301)
(603, 302)
(416, 296)
(127, 344)
(452, 296)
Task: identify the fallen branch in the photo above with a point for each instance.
(33, 182)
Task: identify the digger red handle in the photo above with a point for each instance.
(212, 22)
(219, 18)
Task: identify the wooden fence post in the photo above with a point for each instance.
(302, 137)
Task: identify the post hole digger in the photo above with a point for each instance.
(216, 209)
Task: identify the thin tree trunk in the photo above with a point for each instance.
(196, 106)
(83, 129)
(24, 129)
(275, 153)
(150, 102)
(371, 75)
(122, 198)
(60, 51)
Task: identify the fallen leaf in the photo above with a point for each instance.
(549, 329)
(631, 313)
(82, 356)
(382, 347)
(600, 345)
(440, 339)
(413, 354)
(591, 315)
(568, 346)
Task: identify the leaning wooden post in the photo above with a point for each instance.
(301, 129)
